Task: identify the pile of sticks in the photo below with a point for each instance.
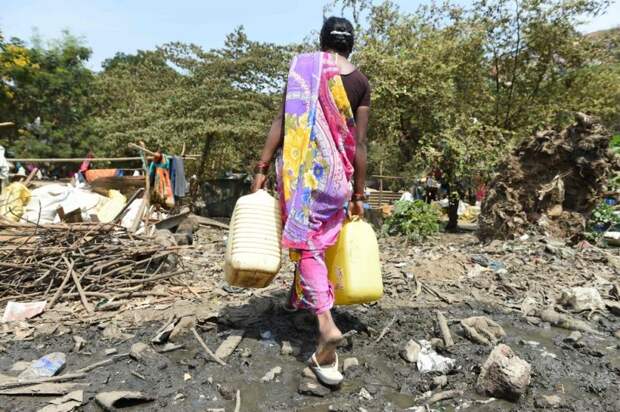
(100, 263)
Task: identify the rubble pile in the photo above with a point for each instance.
(550, 183)
(87, 261)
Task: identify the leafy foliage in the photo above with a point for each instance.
(46, 91)
(453, 88)
(415, 220)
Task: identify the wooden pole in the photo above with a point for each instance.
(94, 159)
(381, 184)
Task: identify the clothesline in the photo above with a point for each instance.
(94, 159)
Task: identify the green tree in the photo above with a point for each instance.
(46, 93)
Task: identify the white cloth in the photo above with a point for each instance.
(4, 169)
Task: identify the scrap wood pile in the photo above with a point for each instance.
(550, 183)
(96, 263)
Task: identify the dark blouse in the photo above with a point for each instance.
(358, 89)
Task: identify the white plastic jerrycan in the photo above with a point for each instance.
(253, 253)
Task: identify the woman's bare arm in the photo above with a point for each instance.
(273, 142)
(274, 138)
(359, 178)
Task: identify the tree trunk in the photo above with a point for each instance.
(453, 208)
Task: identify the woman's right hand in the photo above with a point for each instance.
(259, 182)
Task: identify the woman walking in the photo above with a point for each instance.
(320, 136)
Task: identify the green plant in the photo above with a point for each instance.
(603, 215)
(415, 220)
(602, 218)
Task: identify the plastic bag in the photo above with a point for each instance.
(13, 201)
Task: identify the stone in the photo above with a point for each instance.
(582, 298)
(350, 363)
(613, 307)
(504, 375)
(20, 366)
(80, 342)
(227, 391)
(573, 337)
(439, 381)
(617, 334)
(364, 394)
(307, 373)
(287, 348)
(548, 402)
(271, 375)
(312, 388)
(482, 330)
(139, 350)
(229, 345)
(411, 351)
(183, 326)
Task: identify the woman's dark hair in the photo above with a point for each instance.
(337, 35)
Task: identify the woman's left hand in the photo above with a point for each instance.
(356, 208)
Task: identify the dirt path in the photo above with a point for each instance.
(419, 279)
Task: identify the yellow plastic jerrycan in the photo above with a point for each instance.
(353, 264)
(253, 253)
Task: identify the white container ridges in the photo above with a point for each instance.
(253, 252)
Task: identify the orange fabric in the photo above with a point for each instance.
(93, 174)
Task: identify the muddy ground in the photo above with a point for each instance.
(418, 280)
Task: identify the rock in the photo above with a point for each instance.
(482, 330)
(113, 332)
(230, 344)
(504, 375)
(271, 375)
(312, 388)
(139, 350)
(411, 351)
(613, 307)
(287, 349)
(110, 351)
(582, 298)
(573, 337)
(364, 394)
(307, 373)
(183, 326)
(350, 363)
(227, 391)
(617, 334)
(80, 342)
(439, 381)
(548, 402)
(109, 401)
(20, 366)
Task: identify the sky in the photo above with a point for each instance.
(110, 26)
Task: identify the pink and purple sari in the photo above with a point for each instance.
(314, 172)
(316, 164)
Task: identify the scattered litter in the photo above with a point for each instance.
(230, 344)
(582, 298)
(411, 351)
(364, 394)
(16, 311)
(482, 330)
(186, 377)
(45, 366)
(80, 342)
(67, 403)
(350, 363)
(109, 401)
(271, 375)
(431, 361)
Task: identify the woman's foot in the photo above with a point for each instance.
(329, 339)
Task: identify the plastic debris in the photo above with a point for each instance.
(431, 361)
(16, 311)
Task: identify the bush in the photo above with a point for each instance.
(603, 218)
(415, 220)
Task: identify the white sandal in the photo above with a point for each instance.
(327, 375)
